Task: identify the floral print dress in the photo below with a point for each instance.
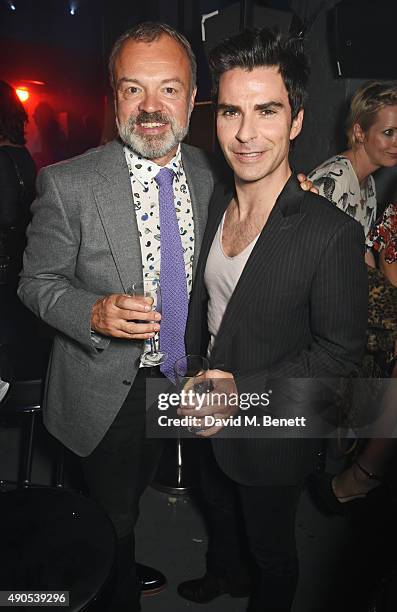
(383, 236)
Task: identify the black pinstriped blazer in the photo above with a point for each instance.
(299, 310)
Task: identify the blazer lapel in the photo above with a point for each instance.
(200, 189)
(218, 204)
(273, 240)
(115, 205)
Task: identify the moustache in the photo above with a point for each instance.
(144, 117)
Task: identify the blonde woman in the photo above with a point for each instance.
(346, 179)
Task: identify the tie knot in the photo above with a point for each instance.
(165, 177)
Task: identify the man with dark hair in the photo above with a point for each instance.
(280, 293)
(95, 231)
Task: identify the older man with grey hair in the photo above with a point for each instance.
(101, 222)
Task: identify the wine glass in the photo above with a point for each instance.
(150, 287)
(190, 376)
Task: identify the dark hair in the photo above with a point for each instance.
(12, 115)
(256, 48)
(147, 32)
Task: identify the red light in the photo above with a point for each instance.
(22, 93)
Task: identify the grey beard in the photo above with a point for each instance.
(152, 146)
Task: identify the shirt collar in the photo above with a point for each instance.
(144, 170)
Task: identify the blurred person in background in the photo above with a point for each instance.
(346, 180)
(382, 239)
(17, 191)
(54, 145)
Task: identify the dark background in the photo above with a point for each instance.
(66, 54)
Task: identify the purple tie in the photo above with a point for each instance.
(174, 298)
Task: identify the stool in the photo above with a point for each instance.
(24, 365)
(24, 398)
(55, 540)
(177, 473)
(52, 539)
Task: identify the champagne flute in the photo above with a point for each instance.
(150, 287)
(190, 373)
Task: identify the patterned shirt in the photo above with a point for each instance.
(383, 236)
(146, 202)
(336, 180)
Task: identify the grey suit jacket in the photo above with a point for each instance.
(83, 243)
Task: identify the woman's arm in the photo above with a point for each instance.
(370, 259)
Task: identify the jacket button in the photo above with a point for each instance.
(127, 382)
